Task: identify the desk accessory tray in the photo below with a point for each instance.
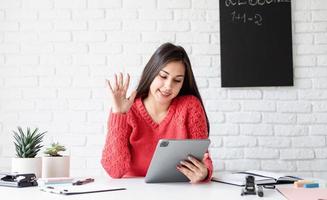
(17, 179)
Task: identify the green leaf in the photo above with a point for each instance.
(29, 151)
(20, 130)
(16, 136)
(20, 153)
(29, 143)
(28, 146)
(35, 131)
(28, 135)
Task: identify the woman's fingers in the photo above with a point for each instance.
(189, 166)
(110, 88)
(203, 170)
(188, 173)
(119, 88)
(126, 84)
(193, 169)
(195, 162)
(121, 80)
(116, 82)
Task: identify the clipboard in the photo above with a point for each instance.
(74, 190)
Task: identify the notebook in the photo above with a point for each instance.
(261, 178)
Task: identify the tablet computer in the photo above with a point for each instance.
(168, 155)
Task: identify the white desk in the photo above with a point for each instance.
(138, 189)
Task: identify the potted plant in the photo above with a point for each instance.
(55, 164)
(27, 145)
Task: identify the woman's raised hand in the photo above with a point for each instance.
(118, 90)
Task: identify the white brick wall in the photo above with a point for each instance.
(56, 54)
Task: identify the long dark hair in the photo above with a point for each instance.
(166, 53)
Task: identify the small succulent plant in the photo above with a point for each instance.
(54, 149)
(28, 143)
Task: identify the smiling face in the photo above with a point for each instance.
(167, 84)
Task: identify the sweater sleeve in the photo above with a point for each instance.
(116, 157)
(198, 129)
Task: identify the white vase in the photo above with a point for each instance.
(55, 166)
(27, 165)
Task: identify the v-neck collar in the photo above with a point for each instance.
(147, 117)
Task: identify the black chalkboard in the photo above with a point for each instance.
(256, 43)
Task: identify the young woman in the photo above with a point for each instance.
(166, 104)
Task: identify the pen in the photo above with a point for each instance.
(82, 182)
(72, 192)
(87, 192)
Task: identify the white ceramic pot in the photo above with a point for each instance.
(27, 165)
(55, 166)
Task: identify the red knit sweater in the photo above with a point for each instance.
(132, 137)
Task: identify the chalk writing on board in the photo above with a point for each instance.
(244, 17)
(253, 2)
